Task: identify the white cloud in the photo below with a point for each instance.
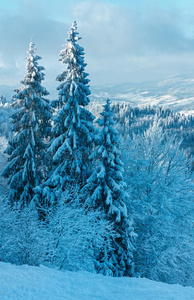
(131, 43)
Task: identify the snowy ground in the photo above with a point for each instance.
(42, 283)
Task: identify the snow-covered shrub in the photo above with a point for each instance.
(23, 239)
(77, 234)
(161, 193)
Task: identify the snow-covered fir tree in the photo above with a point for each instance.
(73, 126)
(30, 127)
(106, 191)
(73, 132)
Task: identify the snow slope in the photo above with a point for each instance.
(41, 283)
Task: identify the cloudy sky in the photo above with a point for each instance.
(124, 40)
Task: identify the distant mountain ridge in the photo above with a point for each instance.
(176, 92)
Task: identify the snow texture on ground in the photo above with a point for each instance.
(39, 283)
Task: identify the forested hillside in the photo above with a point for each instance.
(96, 186)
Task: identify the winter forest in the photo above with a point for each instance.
(105, 188)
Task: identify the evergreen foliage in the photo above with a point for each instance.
(31, 128)
(73, 132)
(130, 120)
(106, 192)
(73, 129)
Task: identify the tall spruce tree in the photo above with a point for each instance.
(30, 127)
(73, 132)
(73, 128)
(105, 189)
